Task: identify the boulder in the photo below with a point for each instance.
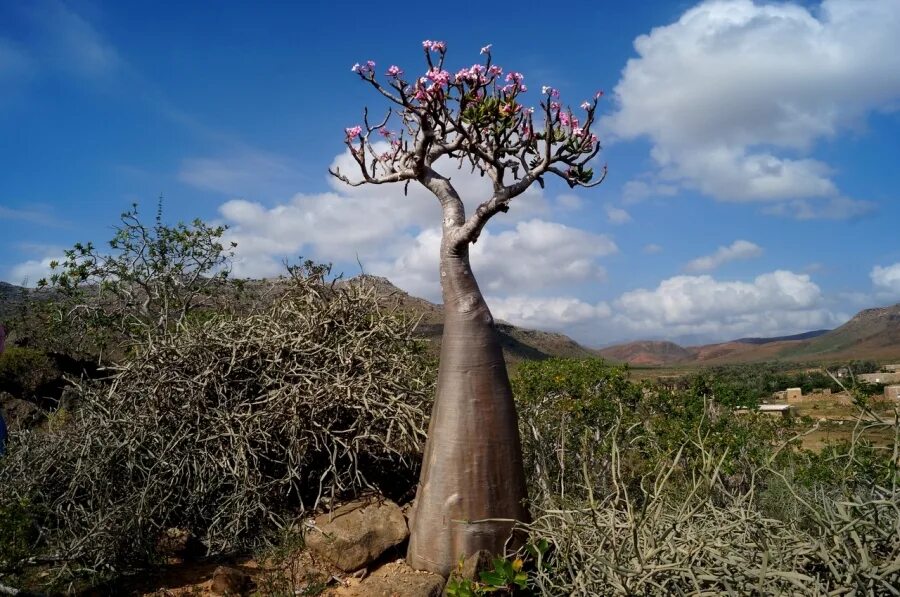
(20, 414)
(356, 534)
(229, 581)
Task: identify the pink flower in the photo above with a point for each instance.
(440, 78)
(598, 95)
(515, 77)
(530, 110)
(353, 132)
(486, 49)
(564, 119)
(554, 105)
(546, 89)
(384, 132)
(523, 88)
(594, 139)
(436, 46)
(364, 69)
(496, 70)
(585, 105)
(394, 71)
(577, 131)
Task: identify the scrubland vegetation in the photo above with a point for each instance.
(233, 419)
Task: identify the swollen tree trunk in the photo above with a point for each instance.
(472, 486)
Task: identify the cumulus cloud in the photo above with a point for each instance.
(546, 313)
(735, 93)
(738, 250)
(29, 272)
(773, 303)
(617, 215)
(378, 224)
(536, 254)
(886, 280)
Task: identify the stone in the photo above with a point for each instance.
(395, 579)
(475, 563)
(229, 581)
(356, 534)
(20, 414)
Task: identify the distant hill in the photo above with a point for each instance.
(871, 334)
(803, 336)
(647, 352)
(518, 343)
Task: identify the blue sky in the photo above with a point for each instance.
(752, 150)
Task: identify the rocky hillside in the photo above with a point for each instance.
(518, 343)
(871, 334)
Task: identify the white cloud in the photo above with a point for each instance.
(29, 272)
(887, 280)
(739, 249)
(379, 224)
(734, 94)
(535, 255)
(617, 215)
(546, 313)
(779, 302)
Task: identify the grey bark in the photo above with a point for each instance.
(472, 485)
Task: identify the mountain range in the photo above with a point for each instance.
(870, 334)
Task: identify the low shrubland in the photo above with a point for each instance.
(226, 426)
(641, 490)
(229, 421)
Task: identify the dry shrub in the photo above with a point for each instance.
(705, 538)
(229, 426)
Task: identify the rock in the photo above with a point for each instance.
(396, 579)
(475, 563)
(229, 581)
(20, 414)
(356, 534)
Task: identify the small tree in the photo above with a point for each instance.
(472, 486)
(151, 277)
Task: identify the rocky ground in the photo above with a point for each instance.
(356, 550)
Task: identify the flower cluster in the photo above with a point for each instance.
(474, 75)
(394, 72)
(434, 46)
(364, 70)
(353, 132)
(514, 83)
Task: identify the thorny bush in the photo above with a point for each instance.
(228, 426)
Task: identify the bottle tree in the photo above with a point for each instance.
(472, 486)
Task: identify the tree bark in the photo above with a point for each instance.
(472, 485)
